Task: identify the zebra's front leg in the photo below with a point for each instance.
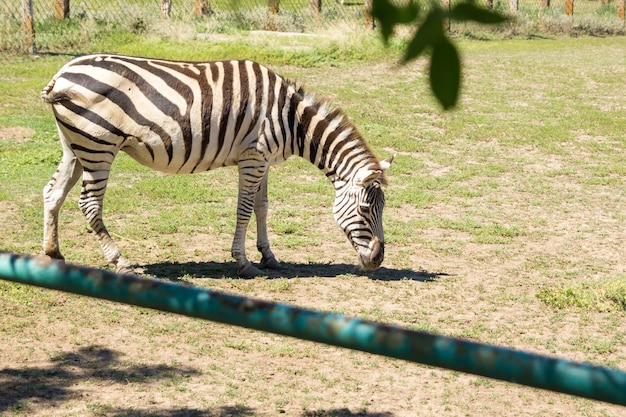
(90, 202)
(268, 260)
(250, 177)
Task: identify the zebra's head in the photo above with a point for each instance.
(358, 210)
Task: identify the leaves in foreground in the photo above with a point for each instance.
(445, 63)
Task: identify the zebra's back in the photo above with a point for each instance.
(174, 116)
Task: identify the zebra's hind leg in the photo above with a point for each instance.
(268, 260)
(91, 202)
(54, 194)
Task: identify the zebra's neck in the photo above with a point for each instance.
(330, 141)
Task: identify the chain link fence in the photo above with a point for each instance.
(39, 22)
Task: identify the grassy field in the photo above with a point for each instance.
(505, 223)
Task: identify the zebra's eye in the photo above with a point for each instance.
(364, 208)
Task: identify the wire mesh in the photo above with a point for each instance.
(51, 24)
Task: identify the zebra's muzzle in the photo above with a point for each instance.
(371, 257)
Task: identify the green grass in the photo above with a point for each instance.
(504, 223)
(605, 295)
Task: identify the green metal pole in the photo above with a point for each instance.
(524, 368)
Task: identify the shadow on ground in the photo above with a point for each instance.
(176, 270)
(31, 389)
(342, 412)
(238, 411)
(224, 411)
(48, 386)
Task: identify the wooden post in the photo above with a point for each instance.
(316, 7)
(61, 9)
(545, 4)
(569, 7)
(166, 8)
(28, 27)
(513, 6)
(369, 20)
(200, 7)
(490, 4)
(620, 9)
(274, 6)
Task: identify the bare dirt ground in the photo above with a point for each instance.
(66, 355)
(63, 355)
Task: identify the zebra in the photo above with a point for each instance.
(186, 117)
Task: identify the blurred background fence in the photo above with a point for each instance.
(32, 21)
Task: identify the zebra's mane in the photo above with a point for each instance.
(335, 115)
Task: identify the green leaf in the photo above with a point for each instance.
(468, 11)
(429, 33)
(445, 73)
(388, 15)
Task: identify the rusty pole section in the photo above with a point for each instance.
(524, 368)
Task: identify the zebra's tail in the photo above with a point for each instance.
(49, 96)
(45, 93)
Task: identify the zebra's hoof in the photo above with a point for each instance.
(124, 270)
(123, 267)
(55, 254)
(271, 263)
(249, 271)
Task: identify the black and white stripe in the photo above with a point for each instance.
(187, 117)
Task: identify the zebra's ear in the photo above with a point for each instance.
(384, 165)
(365, 177)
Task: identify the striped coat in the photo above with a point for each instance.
(188, 117)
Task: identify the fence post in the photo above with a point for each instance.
(569, 7)
(200, 7)
(166, 8)
(61, 9)
(513, 6)
(274, 6)
(316, 7)
(545, 4)
(620, 9)
(369, 20)
(27, 26)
